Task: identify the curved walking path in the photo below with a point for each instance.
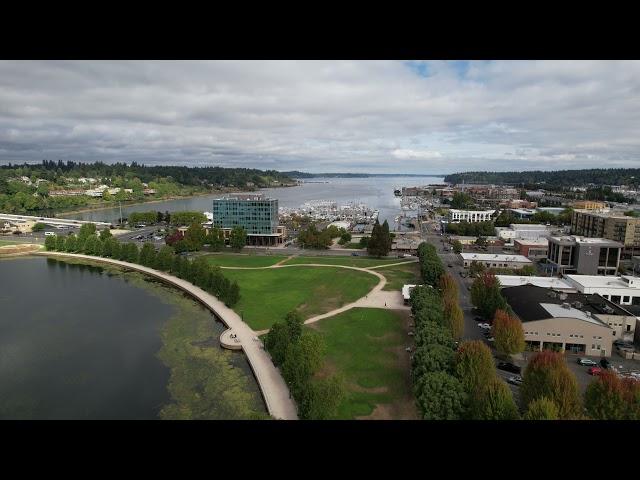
(376, 298)
(274, 390)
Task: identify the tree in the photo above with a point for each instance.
(440, 396)
(364, 242)
(481, 241)
(50, 243)
(476, 268)
(457, 246)
(449, 287)
(453, 318)
(215, 239)
(508, 332)
(71, 243)
(605, 398)
(302, 359)
(195, 236)
(148, 255)
(542, 408)
(86, 230)
(493, 401)
(60, 243)
(233, 295)
(164, 259)
(238, 238)
(486, 296)
(105, 233)
(432, 357)
(462, 201)
(474, 365)
(130, 252)
(321, 398)
(547, 375)
(187, 218)
(38, 227)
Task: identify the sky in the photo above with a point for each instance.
(413, 117)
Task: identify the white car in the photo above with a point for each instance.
(484, 326)
(587, 362)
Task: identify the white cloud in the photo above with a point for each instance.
(321, 115)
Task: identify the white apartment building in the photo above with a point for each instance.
(470, 215)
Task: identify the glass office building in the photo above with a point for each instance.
(255, 213)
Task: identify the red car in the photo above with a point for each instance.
(594, 371)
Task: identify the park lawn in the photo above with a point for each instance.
(399, 275)
(6, 242)
(230, 260)
(266, 296)
(349, 261)
(367, 347)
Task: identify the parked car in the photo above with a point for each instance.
(587, 362)
(604, 363)
(515, 380)
(478, 319)
(450, 265)
(354, 254)
(594, 371)
(49, 234)
(509, 367)
(484, 326)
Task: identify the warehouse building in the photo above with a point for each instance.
(495, 260)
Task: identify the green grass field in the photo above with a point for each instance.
(343, 260)
(226, 260)
(366, 346)
(266, 296)
(6, 242)
(399, 275)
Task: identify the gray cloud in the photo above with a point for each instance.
(379, 116)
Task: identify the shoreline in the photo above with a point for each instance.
(160, 200)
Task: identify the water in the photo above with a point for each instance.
(78, 343)
(376, 192)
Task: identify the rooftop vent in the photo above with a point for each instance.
(578, 305)
(552, 294)
(566, 305)
(562, 296)
(587, 313)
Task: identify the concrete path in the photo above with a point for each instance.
(274, 390)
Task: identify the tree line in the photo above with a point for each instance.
(199, 272)
(552, 179)
(299, 355)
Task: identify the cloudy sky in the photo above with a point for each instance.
(325, 116)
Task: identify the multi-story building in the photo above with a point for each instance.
(532, 249)
(611, 225)
(568, 322)
(470, 215)
(585, 256)
(588, 205)
(253, 212)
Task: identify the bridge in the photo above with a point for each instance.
(50, 221)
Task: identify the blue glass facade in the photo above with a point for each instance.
(256, 214)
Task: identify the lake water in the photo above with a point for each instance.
(79, 343)
(376, 192)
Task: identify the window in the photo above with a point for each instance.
(625, 299)
(593, 347)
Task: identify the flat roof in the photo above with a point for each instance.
(533, 243)
(484, 257)
(544, 282)
(558, 311)
(601, 281)
(527, 301)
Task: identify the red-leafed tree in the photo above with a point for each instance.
(547, 375)
(508, 333)
(173, 238)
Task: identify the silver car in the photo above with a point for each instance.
(587, 362)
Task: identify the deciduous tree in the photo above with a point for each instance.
(440, 396)
(493, 401)
(542, 408)
(547, 375)
(474, 365)
(508, 333)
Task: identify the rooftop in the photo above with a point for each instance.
(243, 196)
(601, 281)
(485, 257)
(544, 282)
(531, 303)
(574, 239)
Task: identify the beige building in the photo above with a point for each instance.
(568, 322)
(588, 205)
(610, 225)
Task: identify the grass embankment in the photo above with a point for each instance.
(266, 296)
(367, 346)
(227, 260)
(399, 275)
(6, 242)
(349, 261)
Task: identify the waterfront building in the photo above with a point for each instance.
(255, 213)
(587, 256)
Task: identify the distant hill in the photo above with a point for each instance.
(552, 179)
(297, 174)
